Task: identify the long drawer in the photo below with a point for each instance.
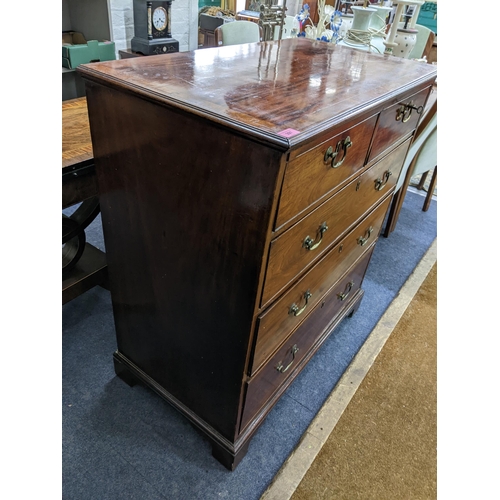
(305, 242)
(324, 168)
(287, 313)
(285, 361)
(397, 121)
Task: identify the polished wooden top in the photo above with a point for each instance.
(76, 141)
(285, 91)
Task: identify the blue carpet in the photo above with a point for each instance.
(127, 443)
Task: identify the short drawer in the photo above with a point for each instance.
(313, 175)
(396, 122)
(305, 242)
(285, 315)
(285, 363)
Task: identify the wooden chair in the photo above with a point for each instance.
(421, 159)
(423, 45)
(237, 32)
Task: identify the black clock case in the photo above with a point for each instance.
(150, 47)
(140, 43)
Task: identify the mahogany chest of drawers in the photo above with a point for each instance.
(242, 191)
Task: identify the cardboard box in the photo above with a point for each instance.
(73, 38)
(74, 54)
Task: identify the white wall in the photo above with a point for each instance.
(121, 20)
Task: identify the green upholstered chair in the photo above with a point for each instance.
(237, 32)
(425, 39)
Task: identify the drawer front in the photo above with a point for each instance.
(304, 243)
(396, 122)
(276, 324)
(323, 168)
(283, 365)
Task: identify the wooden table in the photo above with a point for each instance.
(84, 266)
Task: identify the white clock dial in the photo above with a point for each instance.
(160, 18)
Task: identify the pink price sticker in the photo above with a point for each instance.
(289, 132)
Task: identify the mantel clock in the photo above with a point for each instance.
(152, 28)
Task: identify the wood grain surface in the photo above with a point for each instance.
(266, 88)
(76, 141)
(262, 385)
(276, 323)
(309, 178)
(288, 256)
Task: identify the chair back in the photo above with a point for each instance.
(236, 32)
(422, 155)
(425, 39)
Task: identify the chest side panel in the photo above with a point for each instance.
(185, 209)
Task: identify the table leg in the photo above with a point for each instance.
(83, 265)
